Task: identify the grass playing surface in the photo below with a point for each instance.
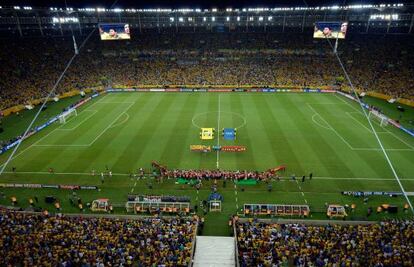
(324, 134)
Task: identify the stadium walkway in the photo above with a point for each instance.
(212, 251)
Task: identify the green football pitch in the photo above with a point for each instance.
(323, 134)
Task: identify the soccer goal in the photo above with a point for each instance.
(65, 115)
(379, 117)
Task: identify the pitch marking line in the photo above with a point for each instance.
(360, 123)
(87, 118)
(340, 136)
(301, 191)
(120, 123)
(323, 126)
(35, 143)
(96, 138)
(109, 126)
(349, 145)
(404, 142)
(135, 184)
(194, 119)
(358, 111)
(236, 198)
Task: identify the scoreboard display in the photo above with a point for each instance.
(332, 30)
(114, 31)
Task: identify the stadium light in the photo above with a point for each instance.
(384, 17)
(16, 7)
(228, 19)
(65, 20)
(270, 18)
(229, 9)
(172, 19)
(260, 18)
(214, 10)
(204, 19)
(190, 19)
(238, 18)
(213, 18)
(251, 18)
(181, 19)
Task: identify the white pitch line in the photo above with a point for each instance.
(340, 136)
(347, 143)
(300, 189)
(135, 184)
(358, 111)
(110, 125)
(33, 145)
(360, 123)
(87, 118)
(125, 120)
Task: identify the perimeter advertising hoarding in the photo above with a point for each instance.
(114, 31)
(329, 29)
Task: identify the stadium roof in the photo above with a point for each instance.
(189, 3)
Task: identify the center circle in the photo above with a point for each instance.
(240, 122)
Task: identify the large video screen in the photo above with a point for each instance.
(333, 30)
(114, 31)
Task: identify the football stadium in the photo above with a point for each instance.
(240, 134)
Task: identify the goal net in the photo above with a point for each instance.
(67, 114)
(373, 114)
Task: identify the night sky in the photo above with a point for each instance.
(187, 3)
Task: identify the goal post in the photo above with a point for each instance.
(65, 115)
(379, 117)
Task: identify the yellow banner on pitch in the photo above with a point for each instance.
(207, 133)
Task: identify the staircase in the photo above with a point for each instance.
(212, 251)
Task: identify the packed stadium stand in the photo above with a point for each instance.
(178, 59)
(256, 48)
(39, 240)
(389, 243)
(280, 52)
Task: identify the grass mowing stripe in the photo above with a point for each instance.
(244, 160)
(304, 141)
(29, 143)
(97, 154)
(208, 160)
(134, 148)
(272, 126)
(177, 144)
(260, 150)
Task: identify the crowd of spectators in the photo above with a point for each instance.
(388, 243)
(378, 63)
(40, 240)
(218, 174)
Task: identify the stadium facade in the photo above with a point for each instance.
(49, 21)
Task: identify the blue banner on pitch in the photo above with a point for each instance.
(229, 133)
